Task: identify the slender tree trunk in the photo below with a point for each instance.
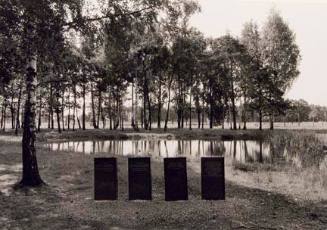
(202, 118)
(142, 119)
(179, 102)
(272, 116)
(12, 108)
(49, 118)
(159, 108)
(223, 119)
(233, 98)
(58, 116)
(122, 116)
(179, 114)
(83, 112)
(4, 116)
(93, 108)
(52, 119)
(57, 108)
(150, 112)
(145, 123)
(103, 119)
(99, 108)
(167, 112)
(18, 109)
(179, 107)
(190, 121)
(74, 107)
(117, 115)
(245, 106)
(230, 117)
(31, 176)
(79, 123)
(145, 98)
(110, 109)
(198, 110)
(211, 109)
(168, 106)
(260, 119)
(136, 109)
(183, 113)
(133, 112)
(51, 106)
(146, 105)
(63, 110)
(2, 109)
(233, 108)
(110, 123)
(69, 106)
(199, 119)
(40, 113)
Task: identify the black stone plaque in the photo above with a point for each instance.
(105, 179)
(175, 179)
(213, 178)
(139, 178)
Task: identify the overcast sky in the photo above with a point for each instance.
(307, 18)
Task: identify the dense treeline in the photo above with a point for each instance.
(161, 67)
(72, 64)
(302, 111)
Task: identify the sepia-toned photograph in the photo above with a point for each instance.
(163, 114)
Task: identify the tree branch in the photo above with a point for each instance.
(72, 23)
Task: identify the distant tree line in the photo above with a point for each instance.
(301, 111)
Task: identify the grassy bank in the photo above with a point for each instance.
(67, 202)
(184, 134)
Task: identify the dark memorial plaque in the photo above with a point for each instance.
(213, 178)
(139, 178)
(175, 179)
(105, 179)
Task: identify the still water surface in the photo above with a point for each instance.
(250, 163)
(242, 151)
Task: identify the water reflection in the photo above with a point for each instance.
(241, 151)
(159, 148)
(250, 163)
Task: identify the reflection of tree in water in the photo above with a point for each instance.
(301, 149)
(247, 150)
(215, 148)
(281, 149)
(166, 150)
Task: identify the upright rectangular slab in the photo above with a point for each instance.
(139, 178)
(105, 179)
(175, 179)
(213, 178)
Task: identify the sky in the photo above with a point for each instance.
(307, 18)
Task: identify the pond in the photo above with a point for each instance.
(249, 163)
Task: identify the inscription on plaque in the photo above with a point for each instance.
(139, 178)
(175, 179)
(105, 179)
(213, 178)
